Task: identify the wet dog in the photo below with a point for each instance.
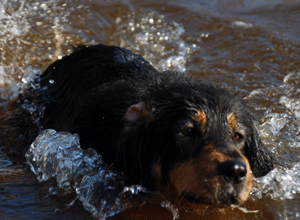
(170, 132)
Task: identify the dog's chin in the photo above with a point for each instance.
(223, 201)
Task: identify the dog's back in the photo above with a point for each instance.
(73, 80)
(91, 90)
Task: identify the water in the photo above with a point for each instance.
(58, 156)
(150, 34)
(251, 47)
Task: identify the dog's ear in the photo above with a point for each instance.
(133, 155)
(261, 159)
(137, 115)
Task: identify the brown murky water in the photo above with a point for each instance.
(252, 47)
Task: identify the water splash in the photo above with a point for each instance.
(13, 23)
(158, 41)
(278, 184)
(280, 131)
(57, 156)
(22, 21)
(274, 123)
(293, 105)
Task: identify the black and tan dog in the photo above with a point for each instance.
(168, 131)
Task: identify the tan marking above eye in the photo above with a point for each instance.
(200, 118)
(232, 121)
(235, 128)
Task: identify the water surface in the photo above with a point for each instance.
(251, 47)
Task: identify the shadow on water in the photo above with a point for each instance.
(252, 47)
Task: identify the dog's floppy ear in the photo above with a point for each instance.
(137, 115)
(133, 155)
(261, 159)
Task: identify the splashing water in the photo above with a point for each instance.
(58, 156)
(160, 42)
(102, 191)
(282, 182)
(280, 131)
(14, 23)
(279, 184)
(21, 21)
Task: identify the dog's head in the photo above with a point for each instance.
(194, 143)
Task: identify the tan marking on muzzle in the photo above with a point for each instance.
(199, 176)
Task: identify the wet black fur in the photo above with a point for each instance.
(94, 87)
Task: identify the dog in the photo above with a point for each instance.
(168, 131)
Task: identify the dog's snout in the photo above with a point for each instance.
(232, 170)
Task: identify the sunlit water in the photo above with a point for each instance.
(254, 51)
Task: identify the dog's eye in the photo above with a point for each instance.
(237, 136)
(188, 131)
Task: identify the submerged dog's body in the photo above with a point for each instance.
(170, 132)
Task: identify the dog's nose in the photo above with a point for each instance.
(232, 170)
